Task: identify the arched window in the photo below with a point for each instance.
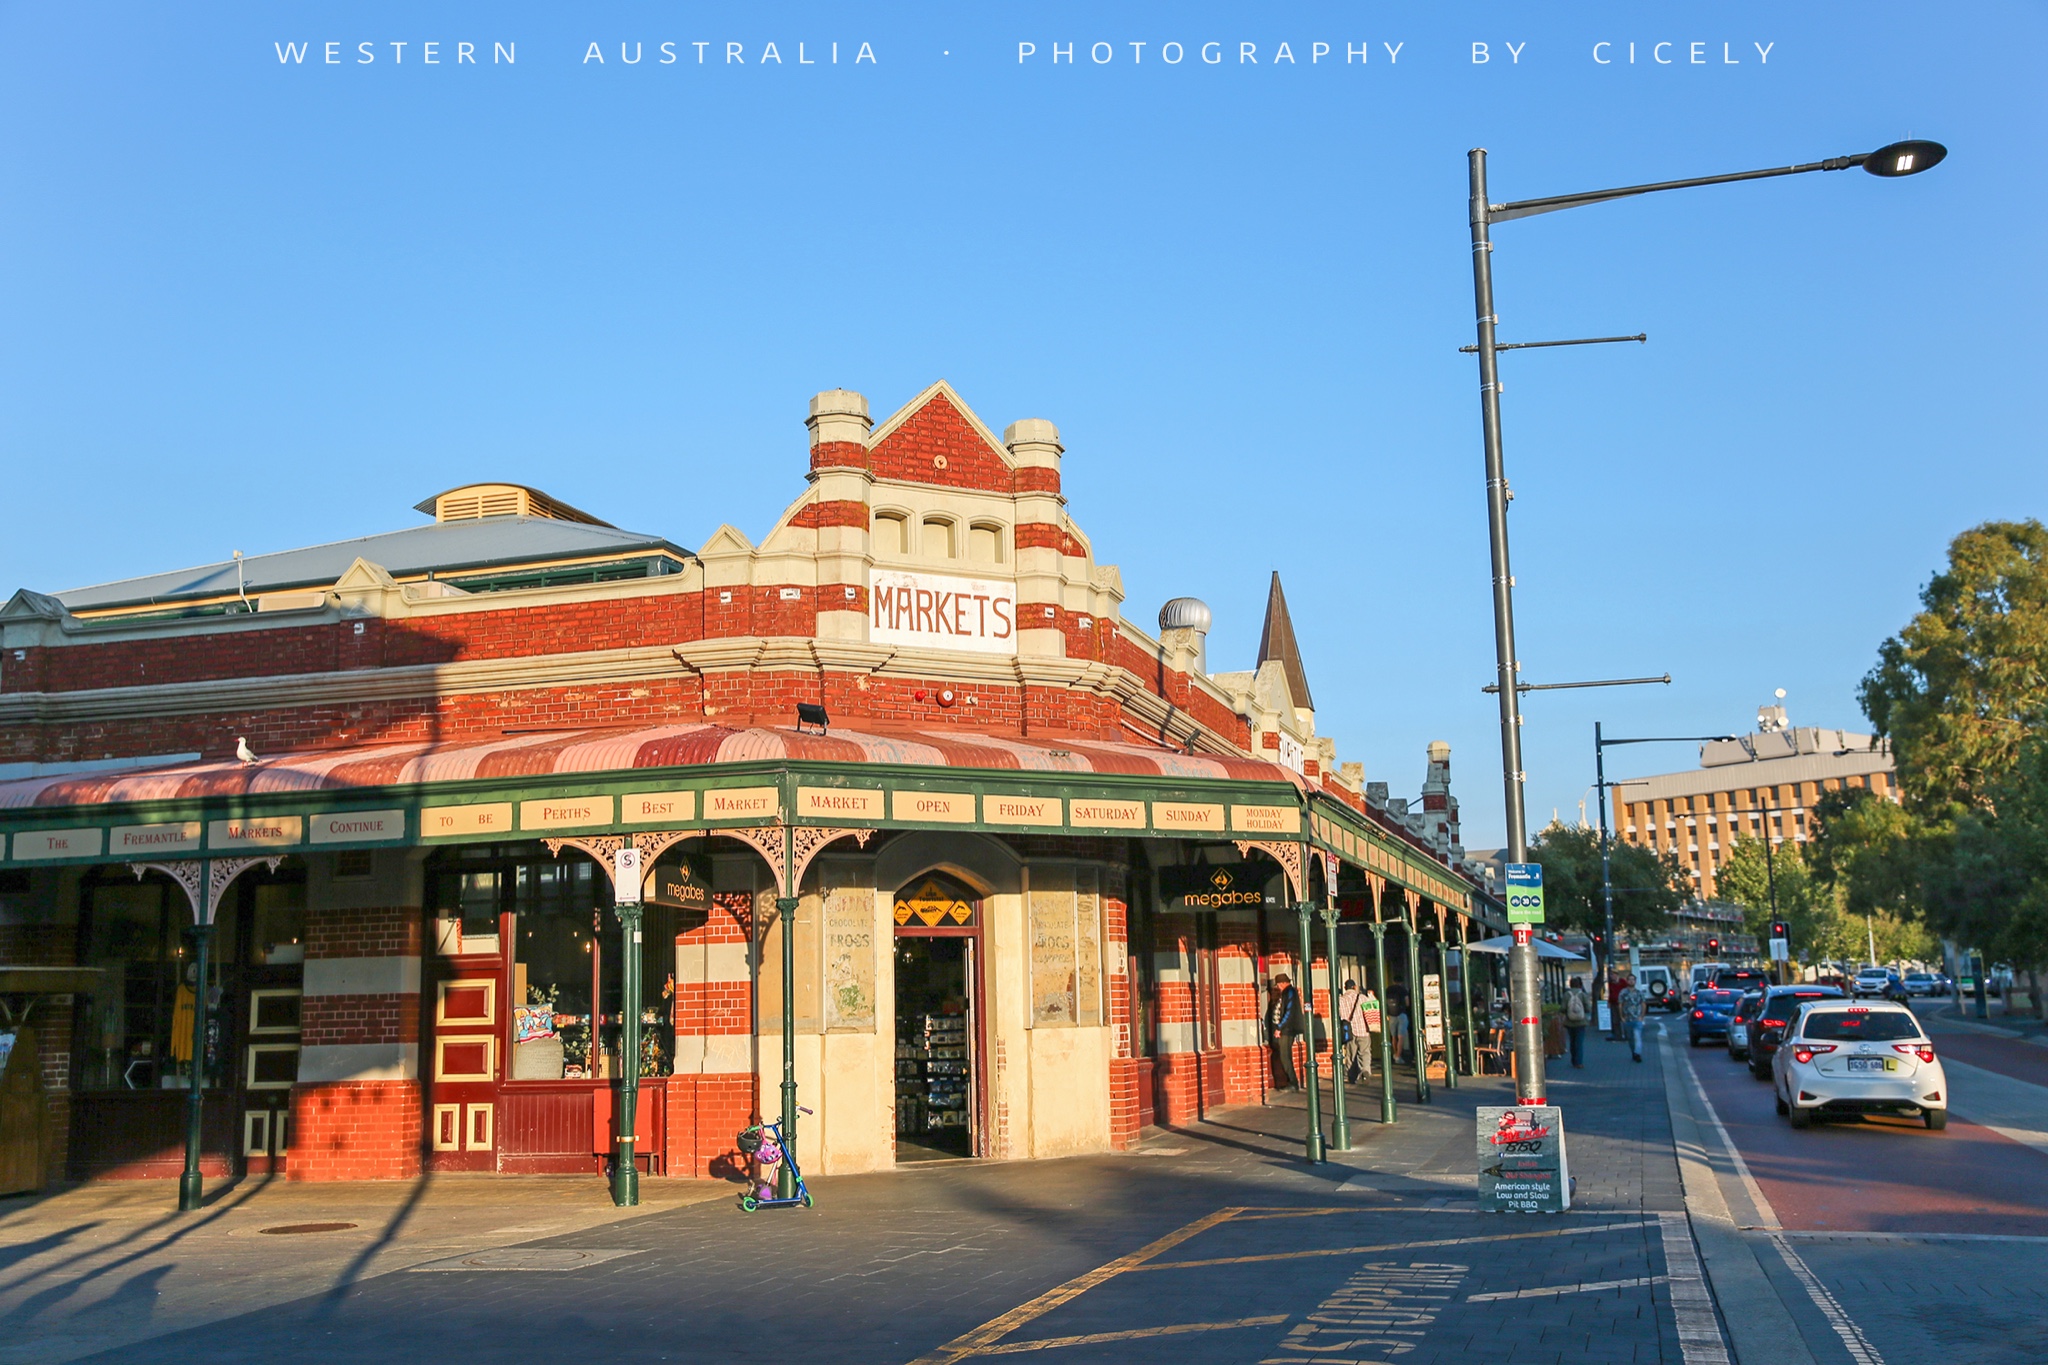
(937, 542)
(892, 533)
(985, 543)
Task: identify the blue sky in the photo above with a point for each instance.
(252, 304)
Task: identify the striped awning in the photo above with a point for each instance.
(588, 752)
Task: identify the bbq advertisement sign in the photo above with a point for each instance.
(1522, 1166)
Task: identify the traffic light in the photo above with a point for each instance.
(1780, 929)
(1713, 945)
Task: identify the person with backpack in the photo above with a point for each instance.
(1358, 1018)
(1283, 1026)
(1578, 1012)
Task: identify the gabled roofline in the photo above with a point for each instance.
(917, 404)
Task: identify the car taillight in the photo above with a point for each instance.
(1924, 1051)
(1806, 1052)
(1773, 1023)
(1699, 1014)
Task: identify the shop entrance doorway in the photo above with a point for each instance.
(938, 1021)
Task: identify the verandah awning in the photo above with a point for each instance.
(572, 753)
(702, 775)
(679, 776)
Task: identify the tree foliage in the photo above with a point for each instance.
(1648, 887)
(1749, 877)
(1962, 694)
(1961, 686)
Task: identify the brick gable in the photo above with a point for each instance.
(937, 431)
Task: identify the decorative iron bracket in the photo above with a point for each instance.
(1287, 855)
(220, 873)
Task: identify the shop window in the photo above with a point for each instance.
(125, 1022)
(278, 929)
(892, 533)
(562, 981)
(466, 917)
(134, 1029)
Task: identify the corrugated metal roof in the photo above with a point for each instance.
(583, 752)
(444, 547)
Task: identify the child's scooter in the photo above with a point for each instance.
(764, 1143)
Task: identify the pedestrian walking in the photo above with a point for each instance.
(1578, 1012)
(1358, 1018)
(1615, 982)
(1283, 1026)
(1632, 1004)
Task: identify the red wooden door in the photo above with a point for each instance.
(466, 1061)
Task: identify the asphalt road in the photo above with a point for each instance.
(1881, 1174)
(1886, 1243)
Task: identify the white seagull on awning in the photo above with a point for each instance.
(242, 749)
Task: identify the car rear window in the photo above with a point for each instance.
(1716, 998)
(1882, 1026)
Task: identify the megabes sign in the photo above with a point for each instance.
(935, 611)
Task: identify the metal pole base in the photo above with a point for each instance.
(785, 1179)
(1340, 1137)
(1315, 1146)
(191, 1191)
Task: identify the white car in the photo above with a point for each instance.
(1848, 1057)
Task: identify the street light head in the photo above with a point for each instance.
(1904, 158)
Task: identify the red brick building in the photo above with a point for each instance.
(1042, 858)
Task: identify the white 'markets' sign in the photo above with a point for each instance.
(942, 613)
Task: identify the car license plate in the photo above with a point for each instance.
(1870, 1064)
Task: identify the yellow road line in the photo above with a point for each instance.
(1384, 1246)
(1096, 1338)
(977, 1341)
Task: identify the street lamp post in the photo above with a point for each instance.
(1898, 159)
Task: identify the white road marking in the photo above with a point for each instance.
(1692, 1306)
(1853, 1340)
(1590, 1287)
(1764, 1211)
(1820, 1234)
(2014, 1109)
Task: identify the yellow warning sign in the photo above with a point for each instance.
(933, 904)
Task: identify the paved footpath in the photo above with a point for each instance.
(1212, 1243)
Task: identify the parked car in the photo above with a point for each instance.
(1746, 1010)
(1780, 1005)
(1880, 982)
(1845, 1058)
(1922, 983)
(1711, 1010)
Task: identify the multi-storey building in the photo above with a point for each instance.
(1032, 859)
(1760, 784)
